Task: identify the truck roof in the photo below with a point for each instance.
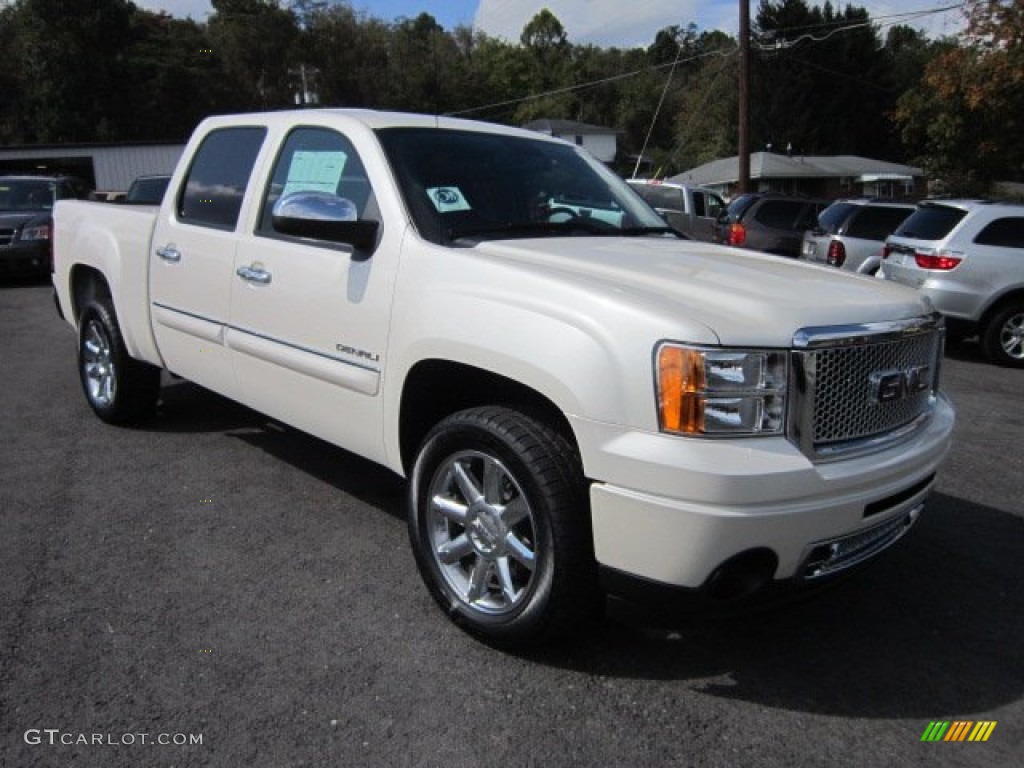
(374, 120)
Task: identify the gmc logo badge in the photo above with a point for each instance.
(890, 386)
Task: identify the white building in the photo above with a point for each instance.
(600, 142)
(106, 167)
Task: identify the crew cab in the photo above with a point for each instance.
(584, 403)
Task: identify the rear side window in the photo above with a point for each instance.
(216, 182)
(779, 214)
(832, 218)
(1008, 232)
(876, 222)
(931, 222)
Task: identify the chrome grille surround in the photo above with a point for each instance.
(835, 409)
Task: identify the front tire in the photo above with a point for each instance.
(119, 389)
(1003, 338)
(499, 525)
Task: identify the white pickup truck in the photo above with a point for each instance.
(584, 403)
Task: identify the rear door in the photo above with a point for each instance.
(192, 263)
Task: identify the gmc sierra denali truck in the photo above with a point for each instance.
(584, 403)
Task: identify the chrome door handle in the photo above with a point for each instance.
(254, 275)
(169, 253)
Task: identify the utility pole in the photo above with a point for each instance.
(744, 93)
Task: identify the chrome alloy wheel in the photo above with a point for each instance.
(482, 532)
(1011, 336)
(98, 364)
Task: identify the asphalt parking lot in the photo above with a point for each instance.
(215, 575)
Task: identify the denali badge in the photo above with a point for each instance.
(890, 386)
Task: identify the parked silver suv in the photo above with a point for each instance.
(850, 233)
(967, 256)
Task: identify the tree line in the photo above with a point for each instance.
(823, 81)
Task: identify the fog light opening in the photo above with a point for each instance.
(742, 575)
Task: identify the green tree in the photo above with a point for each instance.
(255, 41)
(966, 115)
(73, 67)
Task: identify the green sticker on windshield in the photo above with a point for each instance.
(448, 199)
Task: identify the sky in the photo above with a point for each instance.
(622, 23)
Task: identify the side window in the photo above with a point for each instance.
(317, 160)
(874, 222)
(698, 204)
(715, 205)
(216, 182)
(779, 214)
(1008, 232)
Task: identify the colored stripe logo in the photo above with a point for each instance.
(958, 730)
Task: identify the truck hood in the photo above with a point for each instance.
(745, 298)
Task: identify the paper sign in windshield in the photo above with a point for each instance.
(448, 199)
(317, 171)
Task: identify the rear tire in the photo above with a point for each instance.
(1003, 337)
(119, 389)
(500, 527)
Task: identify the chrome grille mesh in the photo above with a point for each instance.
(844, 408)
(837, 405)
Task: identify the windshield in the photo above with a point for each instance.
(735, 210)
(931, 222)
(148, 190)
(472, 185)
(833, 217)
(26, 194)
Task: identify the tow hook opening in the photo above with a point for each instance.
(742, 575)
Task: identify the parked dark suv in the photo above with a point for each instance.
(765, 221)
(26, 219)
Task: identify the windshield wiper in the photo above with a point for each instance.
(636, 231)
(527, 228)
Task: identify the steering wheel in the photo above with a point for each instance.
(561, 210)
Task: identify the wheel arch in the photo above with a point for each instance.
(435, 388)
(86, 283)
(1013, 296)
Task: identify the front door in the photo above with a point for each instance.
(309, 318)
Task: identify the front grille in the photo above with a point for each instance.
(6, 236)
(861, 387)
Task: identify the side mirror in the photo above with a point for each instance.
(323, 216)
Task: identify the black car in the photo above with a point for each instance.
(765, 221)
(26, 219)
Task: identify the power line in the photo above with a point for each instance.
(585, 86)
(892, 19)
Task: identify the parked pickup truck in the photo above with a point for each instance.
(584, 403)
(688, 209)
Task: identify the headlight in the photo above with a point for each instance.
(705, 391)
(36, 232)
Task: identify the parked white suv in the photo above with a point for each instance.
(850, 233)
(967, 257)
